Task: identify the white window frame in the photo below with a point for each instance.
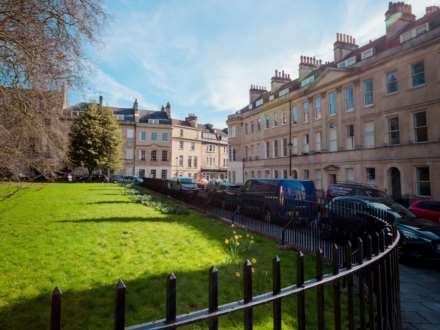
(318, 141)
(333, 139)
(369, 134)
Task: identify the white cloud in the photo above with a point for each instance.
(114, 93)
(164, 53)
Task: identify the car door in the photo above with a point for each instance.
(431, 210)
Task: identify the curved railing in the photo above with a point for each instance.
(377, 278)
(370, 277)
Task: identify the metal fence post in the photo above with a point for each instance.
(55, 312)
(276, 288)
(247, 286)
(120, 306)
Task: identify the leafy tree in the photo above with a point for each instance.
(95, 140)
(42, 45)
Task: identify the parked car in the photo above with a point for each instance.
(126, 179)
(348, 217)
(224, 195)
(182, 186)
(353, 189)
(428, 209)
(202, 183)
(279, 200)
(419, 238)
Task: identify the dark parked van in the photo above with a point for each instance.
(278, 200)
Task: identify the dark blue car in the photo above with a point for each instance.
(279, 200)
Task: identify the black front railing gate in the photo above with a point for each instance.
(366, 266)
(376, 272)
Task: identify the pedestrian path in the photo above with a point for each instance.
(420, 297)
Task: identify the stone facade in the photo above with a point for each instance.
(370, 116)
(158, 146)
(199, 149)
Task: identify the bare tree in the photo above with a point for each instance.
(41, 53)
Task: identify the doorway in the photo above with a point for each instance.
(395, 183)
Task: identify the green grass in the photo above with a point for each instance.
(84, 237)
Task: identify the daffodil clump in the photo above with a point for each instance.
(157, 203)
(238, 244)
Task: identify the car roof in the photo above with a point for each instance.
(365, 199)
(353, 185)
(279, 180)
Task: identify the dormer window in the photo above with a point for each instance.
(367, 53)
(259, 102)
(283, 92)
(414, 33)
(348, 62)
(153, 121)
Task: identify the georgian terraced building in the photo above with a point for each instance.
(158, 146)
(372, 115)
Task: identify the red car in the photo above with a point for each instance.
(427, 209)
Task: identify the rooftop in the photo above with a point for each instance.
(353, 56)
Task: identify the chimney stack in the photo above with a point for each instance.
(100, 102)
(343, 46)
(167, 109)
(432, 9)
(308, 65)
(191, 119)
(136, 110)
(397, 17)
(255, 92)
(278, 79)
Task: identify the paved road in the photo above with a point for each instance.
(420, 296)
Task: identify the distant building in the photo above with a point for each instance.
(371, 115)
(158, 146)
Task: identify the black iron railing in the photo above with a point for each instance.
(367, 266)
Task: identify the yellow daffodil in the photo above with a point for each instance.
(254, 261)
(233, 226)
(237, 274)
(226, 241)
(253, 270)
(236, 237)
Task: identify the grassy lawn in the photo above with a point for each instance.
(84, 237)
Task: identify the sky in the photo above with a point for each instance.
(203, 55)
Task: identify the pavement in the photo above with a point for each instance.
(420, 295)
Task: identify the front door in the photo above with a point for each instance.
(395, 181)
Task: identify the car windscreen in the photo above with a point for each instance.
(404, 212)
(375, 193)
(265, 186)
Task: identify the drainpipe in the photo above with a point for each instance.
(290, 138)
(134, 150)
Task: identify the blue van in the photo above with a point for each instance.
(279, 200)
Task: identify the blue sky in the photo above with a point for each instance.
(202, 55)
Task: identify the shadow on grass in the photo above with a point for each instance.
(93, 308)
(145, 301)
(119, 219)
(111, 202)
